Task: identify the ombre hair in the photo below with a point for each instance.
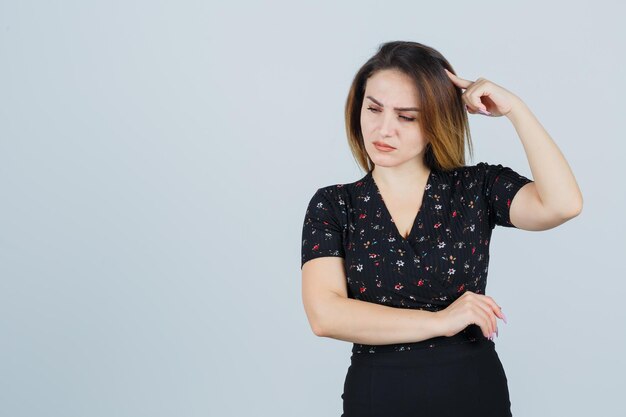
(442, 115)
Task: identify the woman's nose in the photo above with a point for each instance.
(387, 125)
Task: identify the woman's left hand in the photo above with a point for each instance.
(484, 96)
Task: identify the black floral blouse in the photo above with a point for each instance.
(445, 254)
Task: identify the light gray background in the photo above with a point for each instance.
(156, 159)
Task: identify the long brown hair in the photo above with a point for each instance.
(442, 114)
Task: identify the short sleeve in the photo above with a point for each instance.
(321, 233)
(500, 184)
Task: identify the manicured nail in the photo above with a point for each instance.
(485, 112)
(503, 317)
(497, 331)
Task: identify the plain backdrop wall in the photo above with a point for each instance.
(156, 159)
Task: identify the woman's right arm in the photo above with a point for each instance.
(332, 314)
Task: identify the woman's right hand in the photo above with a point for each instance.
(471, 308)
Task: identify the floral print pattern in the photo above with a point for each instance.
(445, 253)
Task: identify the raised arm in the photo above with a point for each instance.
(554, 196)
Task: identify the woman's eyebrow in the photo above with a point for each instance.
(395, 108)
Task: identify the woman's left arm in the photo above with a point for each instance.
(554, 197)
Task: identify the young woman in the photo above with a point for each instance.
(396, 262)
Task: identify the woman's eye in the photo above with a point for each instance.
(408, 119)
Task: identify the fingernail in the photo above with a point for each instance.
(497, 331)
(503, 317)
(485, 112)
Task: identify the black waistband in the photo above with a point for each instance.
(471, 333)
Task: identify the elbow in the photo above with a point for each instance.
(320, 314)
(318, 330)
(579, 207)
(321, 323)
(574, 210)
(570, 210)
(317, 323)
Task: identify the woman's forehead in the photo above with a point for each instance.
(392, 88)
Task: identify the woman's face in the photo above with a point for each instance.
(383, 119)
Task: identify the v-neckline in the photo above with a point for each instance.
(420, 211)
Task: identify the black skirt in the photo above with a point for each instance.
(465, 379)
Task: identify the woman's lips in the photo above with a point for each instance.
(383, 148)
